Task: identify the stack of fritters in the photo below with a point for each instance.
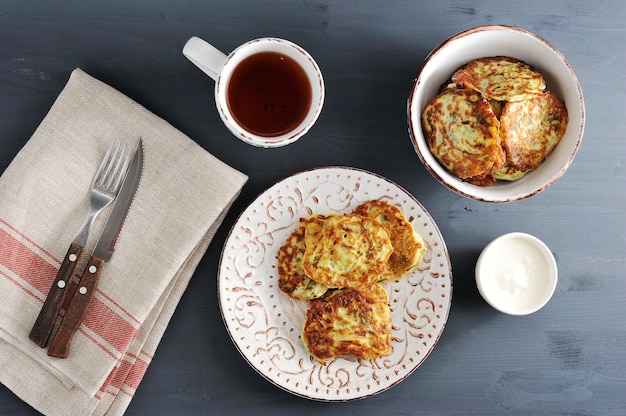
(494, 121)
(337, 262)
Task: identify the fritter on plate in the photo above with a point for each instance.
(292, 278)
(408, 246)
(462, 132)
(500, 78)
(348, 321)
(348, 251)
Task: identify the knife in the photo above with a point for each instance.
(102, 253)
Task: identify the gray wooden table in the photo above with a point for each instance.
(569, 358)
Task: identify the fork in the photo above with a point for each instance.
(104, 189)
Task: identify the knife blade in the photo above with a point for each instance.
(102, 253)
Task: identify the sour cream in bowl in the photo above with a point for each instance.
(516, 274)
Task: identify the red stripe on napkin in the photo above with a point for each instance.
(40, 248)
(120, 307)
(26, 264)
(137, 372)
(126, 376)
(18, 284)
(112, 324)
(105, 322)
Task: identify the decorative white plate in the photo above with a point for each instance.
(265, 324)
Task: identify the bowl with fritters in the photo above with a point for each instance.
(435, 77)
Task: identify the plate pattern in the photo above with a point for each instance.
(265, 324)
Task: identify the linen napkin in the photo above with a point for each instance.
(183, 196)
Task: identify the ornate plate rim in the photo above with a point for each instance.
(308, 378)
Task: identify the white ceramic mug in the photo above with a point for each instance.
(221, 67)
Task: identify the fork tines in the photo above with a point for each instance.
(110, 173)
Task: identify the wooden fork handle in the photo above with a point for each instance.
(77, 309)
(40, 331)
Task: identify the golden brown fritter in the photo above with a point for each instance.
(378, 291)
(408, 246)
(348, 251)
(347, 321)
(483, 180)
(292, 278)
(532, 121)
(500, 78)
(532, 128)
(462, 132)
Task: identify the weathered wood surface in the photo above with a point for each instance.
(569, 358)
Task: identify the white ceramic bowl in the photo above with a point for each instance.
(516, 274)
(485, 41)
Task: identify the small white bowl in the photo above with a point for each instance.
(516, 274)
(485, 41)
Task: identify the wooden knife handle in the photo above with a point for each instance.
(40, 332)
(60, 345)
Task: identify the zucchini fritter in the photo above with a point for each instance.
(531, 129)
(462, 132)
(348, 251)
(508, 172)
(408, 246)
(348, 321)
(292, 278)
(500, 78)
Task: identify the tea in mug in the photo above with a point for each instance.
(269, 94)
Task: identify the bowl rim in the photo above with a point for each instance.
(449, 180)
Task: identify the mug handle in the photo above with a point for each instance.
(205, 56)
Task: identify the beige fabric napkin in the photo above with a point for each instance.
(182, 199)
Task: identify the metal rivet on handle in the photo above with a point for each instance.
(82, 290)
(72, 257)
(61, 284)
(92, 269)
